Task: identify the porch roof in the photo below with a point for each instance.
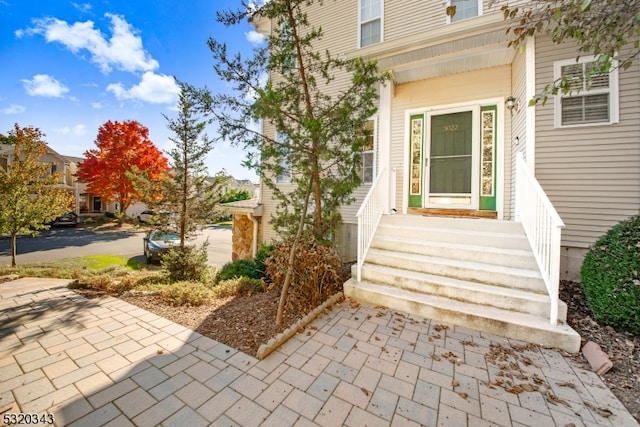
(456, 48)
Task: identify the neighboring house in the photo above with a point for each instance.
(239, 185)
(450, 126)
(57, 164)
(88, 204)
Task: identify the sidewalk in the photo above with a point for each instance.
(105, 362)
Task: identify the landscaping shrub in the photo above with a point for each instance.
(317, 271)
(186, 293)
(189, 264)
(238, 268)
(611, 277)
(237, 286)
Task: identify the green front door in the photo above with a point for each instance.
(453, 158)
(450, 162)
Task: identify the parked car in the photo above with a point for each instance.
(145, 216)
(70, 219)
(158, 242)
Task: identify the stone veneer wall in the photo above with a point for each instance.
(242, 237)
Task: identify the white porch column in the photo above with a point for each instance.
(384, 141)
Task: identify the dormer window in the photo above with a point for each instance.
(466, 9)
(370, 22)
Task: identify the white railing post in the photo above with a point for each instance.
(369, 214)
(543, 227)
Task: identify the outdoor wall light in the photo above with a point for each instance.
(512, 104)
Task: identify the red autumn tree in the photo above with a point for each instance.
(122, 149)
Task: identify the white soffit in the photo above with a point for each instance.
(449, 57)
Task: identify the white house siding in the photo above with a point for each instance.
(518, 141)
(404, 17)
(590, 173)
(434, 93)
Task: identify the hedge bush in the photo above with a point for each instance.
(238, 268)
(611, 277)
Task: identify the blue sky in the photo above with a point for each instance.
(68, 67)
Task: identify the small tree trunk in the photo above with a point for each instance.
(292, 256)
(13, 249)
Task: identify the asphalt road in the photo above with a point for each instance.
(61, 243)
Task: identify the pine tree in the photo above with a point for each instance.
(318, 119)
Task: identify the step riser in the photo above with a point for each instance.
(502, 241)
(463, 253)
(491, 225)
(392, 259)
(569, 343)
(536, 306)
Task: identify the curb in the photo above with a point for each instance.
(282, 337)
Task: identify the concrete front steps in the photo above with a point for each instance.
(477, 273)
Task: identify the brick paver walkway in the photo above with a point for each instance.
(105, 362)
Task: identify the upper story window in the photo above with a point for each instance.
(53, 168)
(466, 9)
(289, 60)
(285, 162)
(367, 166)
(370, 22)
(593, 98)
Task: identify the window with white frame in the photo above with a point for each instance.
(370, 22)
(466, 9)
(593, 98)
(289, 60)
(285, 162)
(367, 165)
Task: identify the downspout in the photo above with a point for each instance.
(254, 242)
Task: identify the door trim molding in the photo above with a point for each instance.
(501, 138)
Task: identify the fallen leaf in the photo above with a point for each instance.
(454, 383)
(515, 390)
(567, 384)
(463, 395)
(435, 357)
(440, 327)
(376, 338)
(604, 413)
(365, 391)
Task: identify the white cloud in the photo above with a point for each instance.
(154, 88)
(254, 37)
(82, 7)
(97, 106)
(14, 109)
(123, 50)
(77, 130)
(44, 85)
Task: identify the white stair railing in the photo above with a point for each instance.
(543, 226)
(369, 216)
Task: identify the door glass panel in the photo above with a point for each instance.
(451, 155)
(416, 156)
(487, 138)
